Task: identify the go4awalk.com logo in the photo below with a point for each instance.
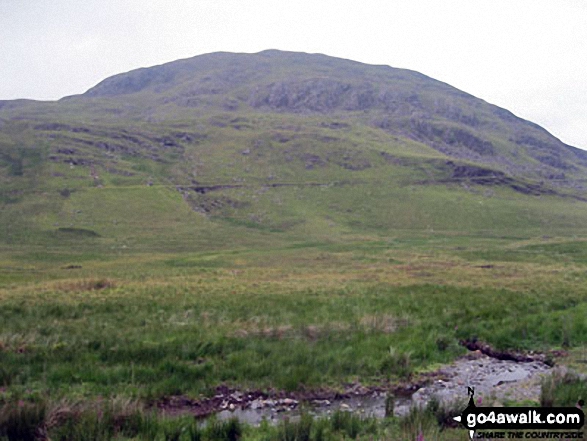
(522, 422)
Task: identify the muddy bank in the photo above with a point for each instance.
(520, 357)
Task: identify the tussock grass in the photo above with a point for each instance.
(21, 420)
(104, 420)
(85, 285)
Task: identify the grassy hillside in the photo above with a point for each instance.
(288, 176)
(276, 221)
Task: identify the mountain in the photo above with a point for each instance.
(231, 149)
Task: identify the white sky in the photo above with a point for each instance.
(529, 56)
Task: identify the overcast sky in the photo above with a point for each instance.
(529, 56)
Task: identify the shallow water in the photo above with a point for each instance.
(494, 381)
(368, 406)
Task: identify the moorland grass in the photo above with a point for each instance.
(300, 317)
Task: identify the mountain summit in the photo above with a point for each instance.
(398, 101)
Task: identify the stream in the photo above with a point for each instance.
(495, 382)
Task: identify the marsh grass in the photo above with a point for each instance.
(104, 420)
(22, 420)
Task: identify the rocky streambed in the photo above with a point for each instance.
(496, 381)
